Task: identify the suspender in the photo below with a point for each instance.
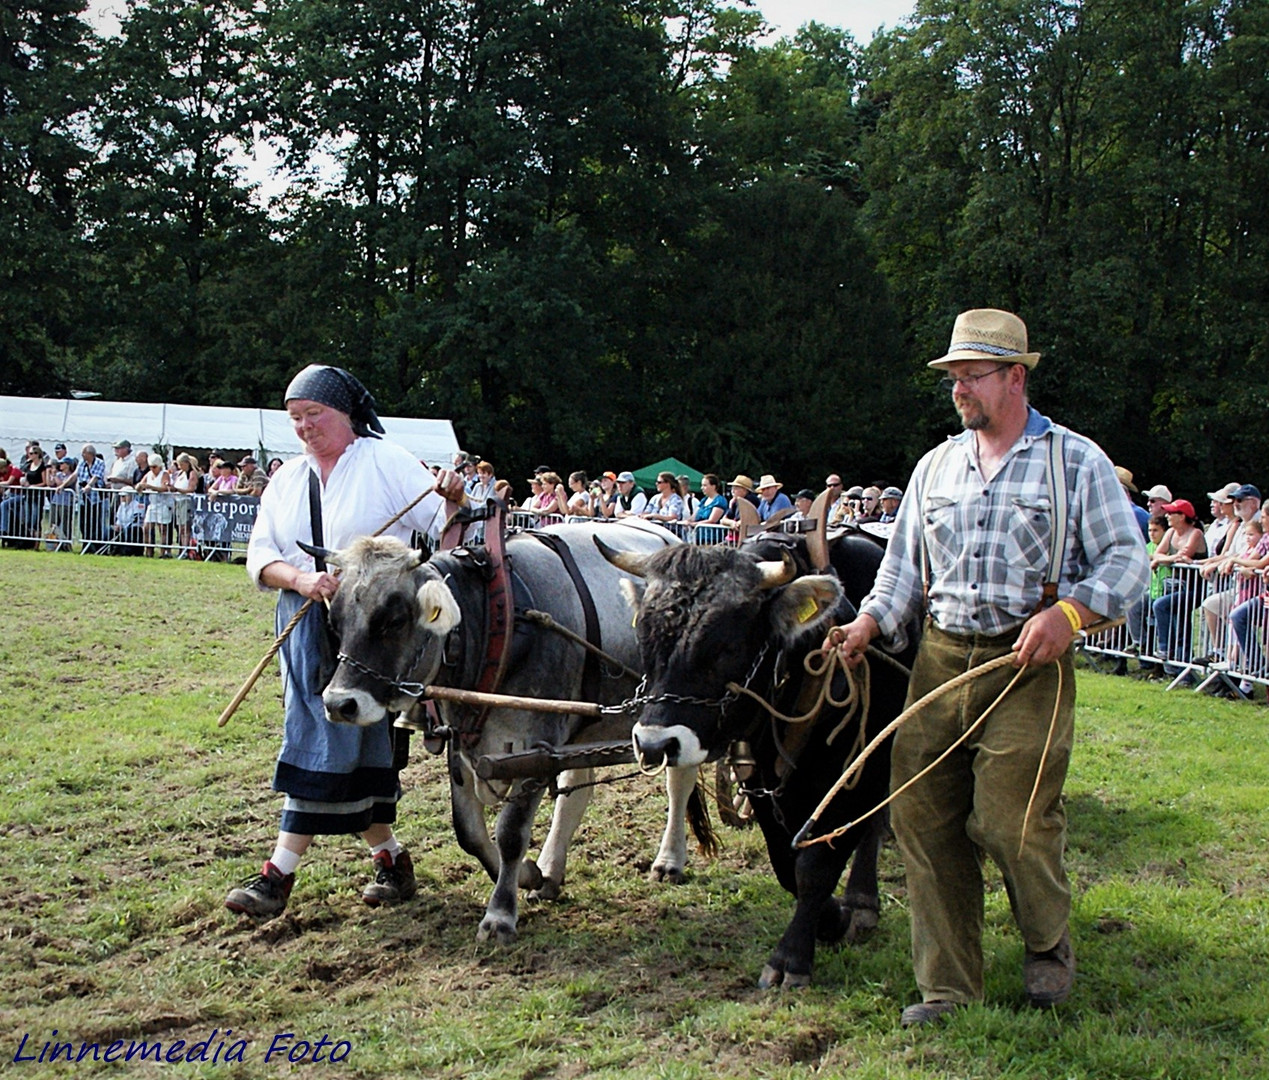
(315, 518)
(935, 462)
(1055, 466)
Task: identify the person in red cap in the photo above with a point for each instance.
(1182, 543)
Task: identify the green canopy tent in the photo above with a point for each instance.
(646, 477)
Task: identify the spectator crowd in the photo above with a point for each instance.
(134, 503)
(1206, 608)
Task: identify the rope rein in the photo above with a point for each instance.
(856, 765)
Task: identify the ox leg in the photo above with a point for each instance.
(671, 859)
(470, 828)
(512, 831)
(861, 902)
(564, 821)
(818, 870)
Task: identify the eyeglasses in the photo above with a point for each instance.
(968, 381)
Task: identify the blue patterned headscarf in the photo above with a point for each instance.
(337, 389)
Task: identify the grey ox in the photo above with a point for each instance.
(402, 620)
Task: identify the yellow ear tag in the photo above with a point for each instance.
(808, 609)
(436, 614)
(634, 618)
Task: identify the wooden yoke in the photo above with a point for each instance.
(747, 516)
(817, 538)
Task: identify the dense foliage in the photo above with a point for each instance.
(597, 232)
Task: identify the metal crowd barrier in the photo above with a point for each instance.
(693, 532)
(98, 522)
(1187, 632)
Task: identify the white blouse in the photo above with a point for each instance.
(371, 482)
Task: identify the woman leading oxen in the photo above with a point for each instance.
(336, 778)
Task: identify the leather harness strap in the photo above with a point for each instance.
(498, 610)
(590, 666)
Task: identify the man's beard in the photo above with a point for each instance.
(972, 421)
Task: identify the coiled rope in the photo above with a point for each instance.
(847, 779)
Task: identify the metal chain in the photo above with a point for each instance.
(409, 689)
(635, 703)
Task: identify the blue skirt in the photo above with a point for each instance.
(337, 778)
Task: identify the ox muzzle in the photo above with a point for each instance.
(671, 746)
(346, 705)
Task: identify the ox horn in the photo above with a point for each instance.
(630, 561)
(774, 574)
(328, 554)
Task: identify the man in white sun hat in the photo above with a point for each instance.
(1157, 498)
(983, 519)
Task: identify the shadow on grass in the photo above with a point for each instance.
(1106, 839)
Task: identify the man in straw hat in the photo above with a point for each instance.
(973, 534)
(771, 500)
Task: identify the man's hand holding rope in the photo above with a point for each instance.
(1048, 633)
(1043, 637)
(851, 639)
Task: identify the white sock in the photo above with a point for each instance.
(391, 845)
(285, 859)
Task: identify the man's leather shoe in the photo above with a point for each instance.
(1049, 975)
(925, 1012)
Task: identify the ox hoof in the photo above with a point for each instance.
(530, 877)
(860, 924)
(669, 875)
(774, 978)
(548, 890)
(497, 930)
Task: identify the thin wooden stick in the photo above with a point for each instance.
(510, 701)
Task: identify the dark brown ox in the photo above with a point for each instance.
(710, 617)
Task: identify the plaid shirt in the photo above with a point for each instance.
(987, 541)
(86, 472)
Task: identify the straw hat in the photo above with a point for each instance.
(742, 481)
(988, 334)
(767, 481)
(1125, 478)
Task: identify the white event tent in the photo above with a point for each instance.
(267, 432)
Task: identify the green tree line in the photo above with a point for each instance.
(597, 232)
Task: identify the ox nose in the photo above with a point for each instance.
(654, 746)
(344, 708)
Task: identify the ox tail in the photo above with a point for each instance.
(702, 828)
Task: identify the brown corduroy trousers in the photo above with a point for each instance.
(975, 803)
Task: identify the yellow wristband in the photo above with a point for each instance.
(1072, 616)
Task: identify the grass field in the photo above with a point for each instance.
(125, 815)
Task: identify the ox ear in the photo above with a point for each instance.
(804, 605)
(633, 592)
(439, 612)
